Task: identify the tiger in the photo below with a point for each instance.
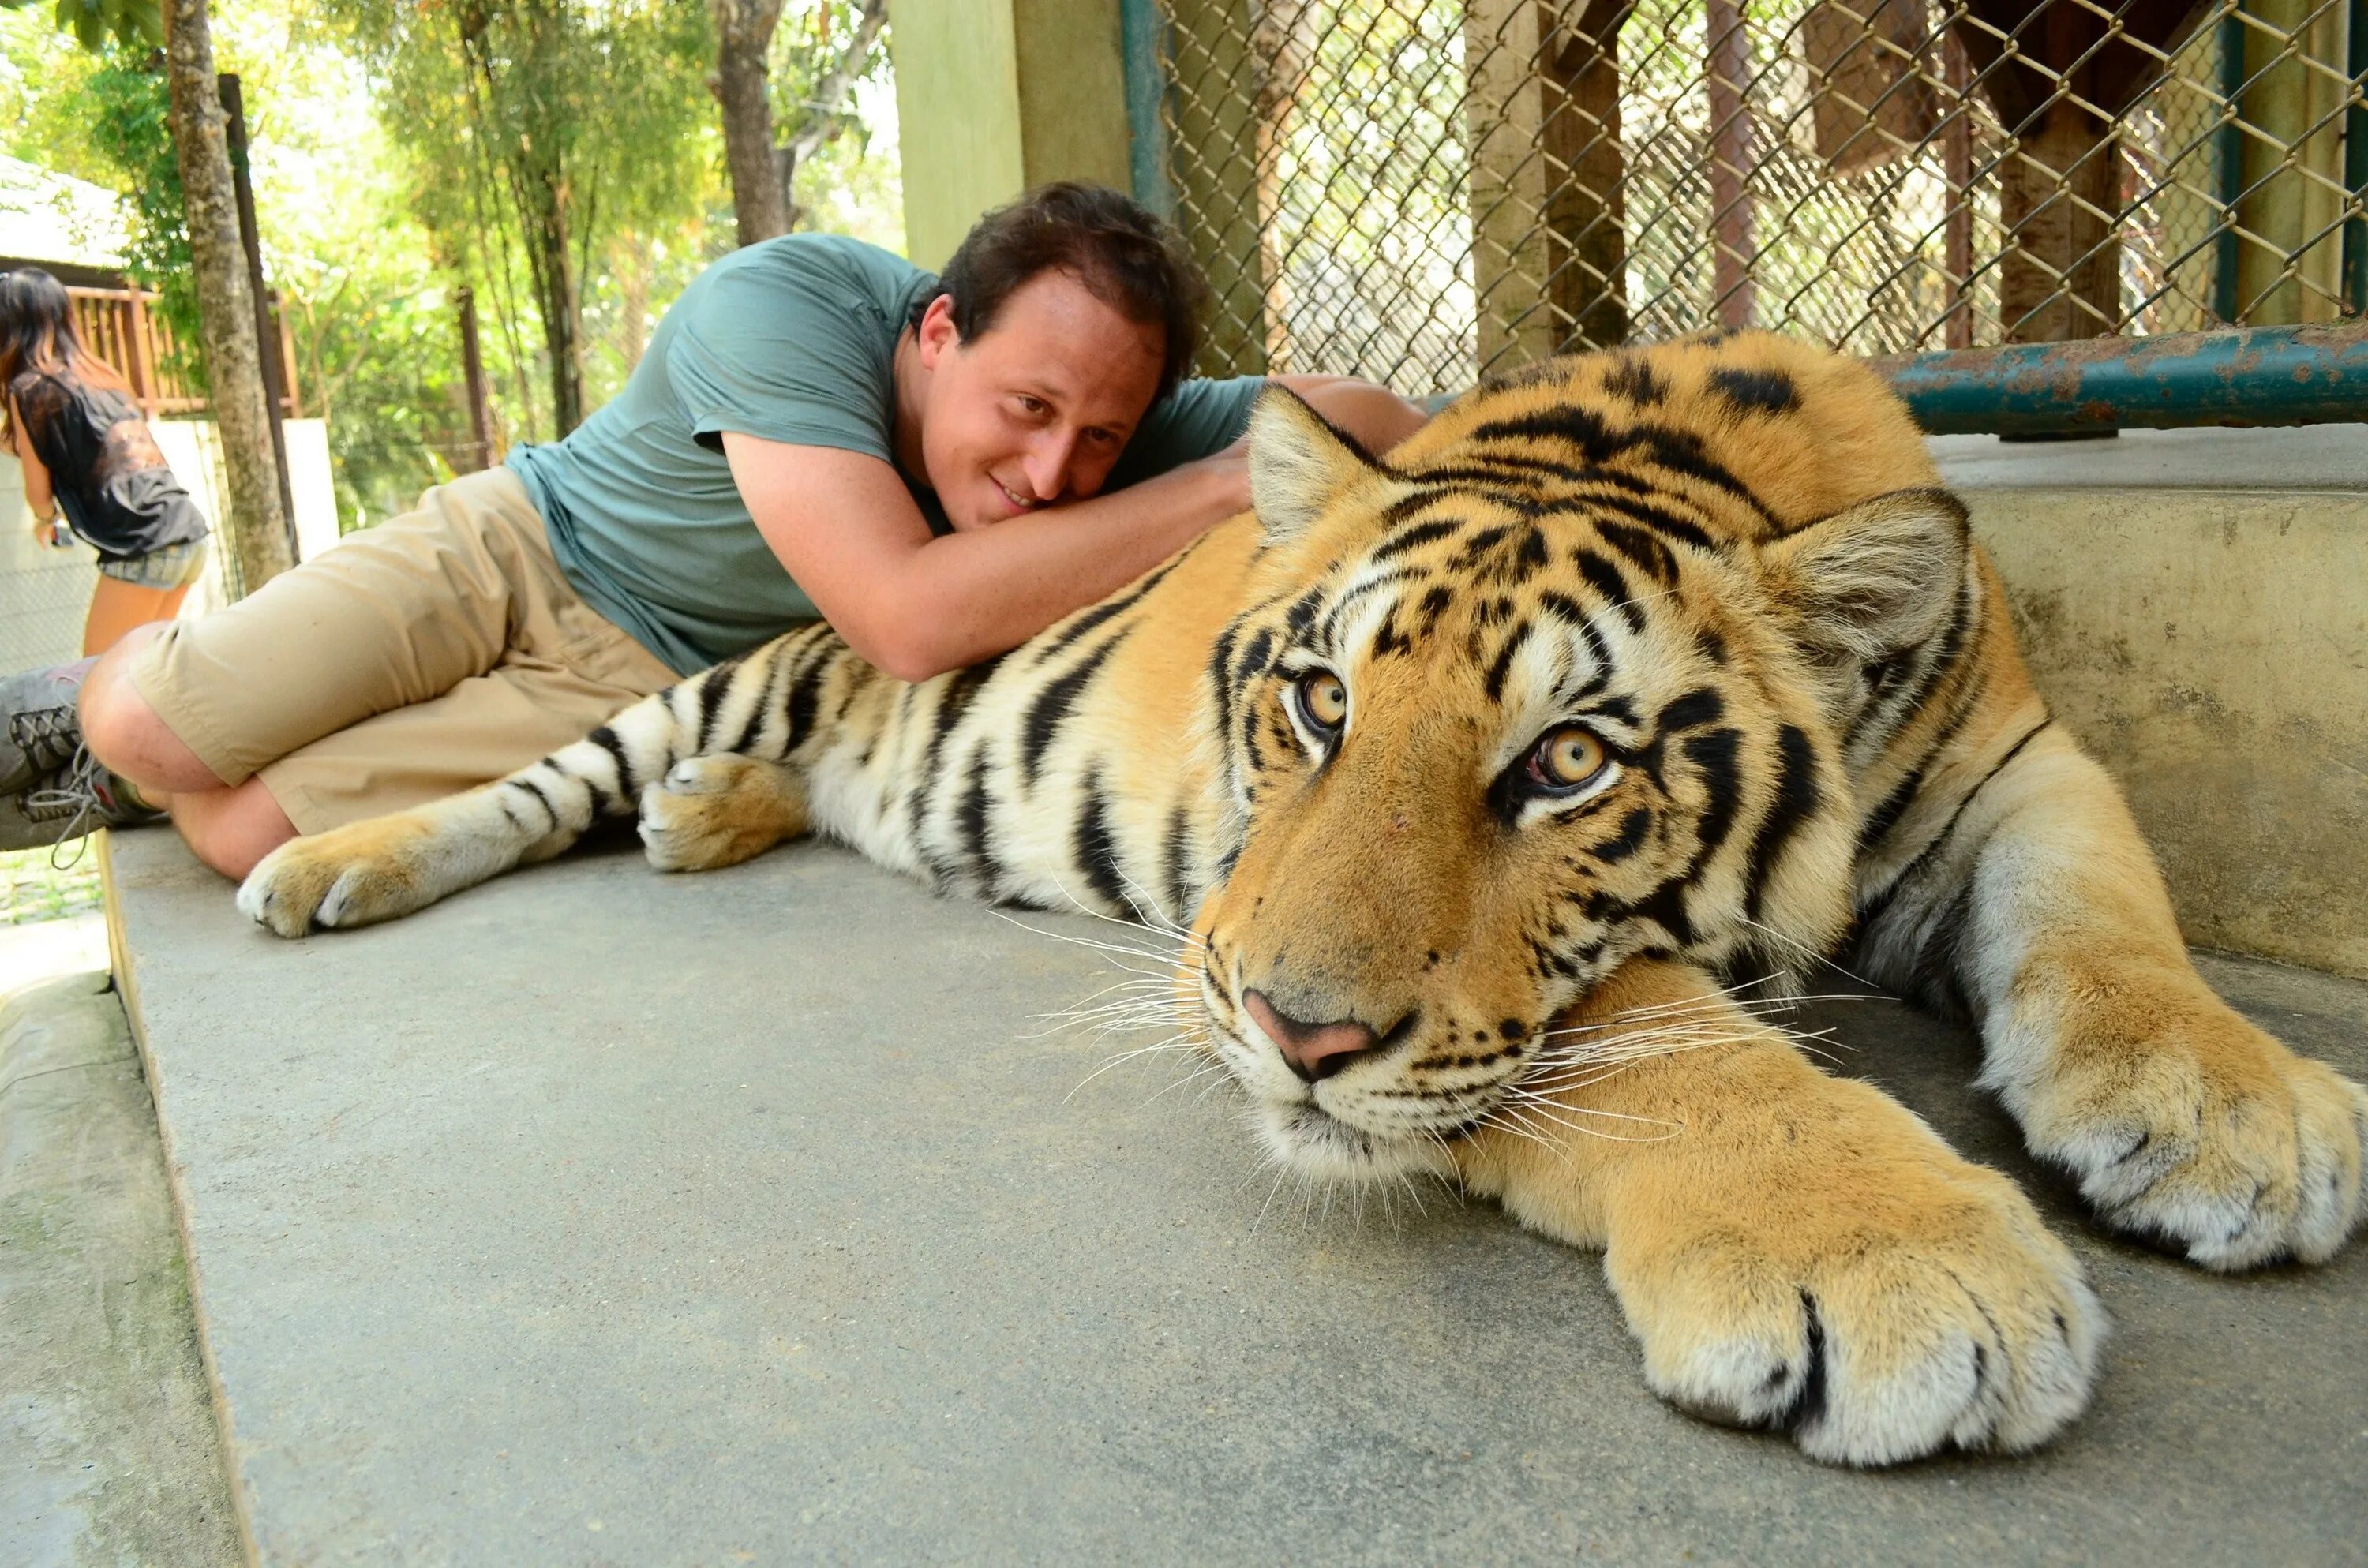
(1470, 778)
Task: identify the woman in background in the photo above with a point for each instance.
(87, 452)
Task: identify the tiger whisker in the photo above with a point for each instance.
(1808, 952)
(1177, 1042)
(1676, 1128)
(1163, 927)
(1099, 946)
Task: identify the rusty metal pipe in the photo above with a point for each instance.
(2255, 376)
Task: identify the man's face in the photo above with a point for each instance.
(1036, 409)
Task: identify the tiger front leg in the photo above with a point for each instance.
(2181, 1121)
(1797, 1252)
(387, 867)
(710, 811)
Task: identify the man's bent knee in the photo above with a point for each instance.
(127, 735)
(231, 830)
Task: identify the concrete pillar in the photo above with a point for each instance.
(995, 96)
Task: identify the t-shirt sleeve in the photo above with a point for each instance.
(781, 354)
(1198, 419)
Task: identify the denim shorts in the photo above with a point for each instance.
(174, 566)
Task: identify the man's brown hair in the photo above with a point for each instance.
(1122, 254)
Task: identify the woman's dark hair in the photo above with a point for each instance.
(1125, 257)
(37, 333)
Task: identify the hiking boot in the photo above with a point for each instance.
(39, 732)
(78, 799)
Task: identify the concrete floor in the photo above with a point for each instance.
(601, 1217)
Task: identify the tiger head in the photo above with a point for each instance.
(1482, 744)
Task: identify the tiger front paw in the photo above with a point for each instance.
(348, 876)
(1889, 1305)
(2198, 1130)
(710, 811)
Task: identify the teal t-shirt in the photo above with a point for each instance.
(791, 340)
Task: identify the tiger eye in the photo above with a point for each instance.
(1567, 758)
(1323, 699)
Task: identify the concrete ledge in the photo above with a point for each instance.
(106, 1440)
(598, 1216)
(2318, 457)
(2194, 604)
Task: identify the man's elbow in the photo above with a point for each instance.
(905, 654)
(914, 668)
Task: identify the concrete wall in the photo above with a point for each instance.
(2194, 604)
(995, 96)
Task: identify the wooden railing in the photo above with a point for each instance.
(123, 327)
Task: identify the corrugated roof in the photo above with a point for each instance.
(46, 216)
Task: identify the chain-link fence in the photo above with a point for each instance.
(1428, 190)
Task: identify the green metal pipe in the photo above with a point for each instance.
(2229, 162)
(2255, 376)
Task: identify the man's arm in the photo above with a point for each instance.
(917, 606)
(1375, 416)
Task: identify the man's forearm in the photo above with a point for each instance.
(977, 593)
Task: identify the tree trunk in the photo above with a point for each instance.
(822, 122)
(258, 525)
(552, 263)
(743, 31)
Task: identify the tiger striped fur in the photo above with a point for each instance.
(1466, 772)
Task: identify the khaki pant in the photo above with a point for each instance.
(433, 653)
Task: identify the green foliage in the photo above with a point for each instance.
(538, 131)
(126, 103)
(42, 117)
(851, 185)
(130, 23)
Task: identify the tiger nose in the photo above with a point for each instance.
(1312, 1050)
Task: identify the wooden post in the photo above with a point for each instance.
(472, 370)
(267, 339)
(142, 356)
(1281, 42)
(1548, 218)
(1957, 174)
(2061, 77)
(1734, 251)
(288, 360)
(2292, 163)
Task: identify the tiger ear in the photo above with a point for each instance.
(1875, 578)
(1300, 464)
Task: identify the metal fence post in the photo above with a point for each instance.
(1217, 192)
(1142, 40)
